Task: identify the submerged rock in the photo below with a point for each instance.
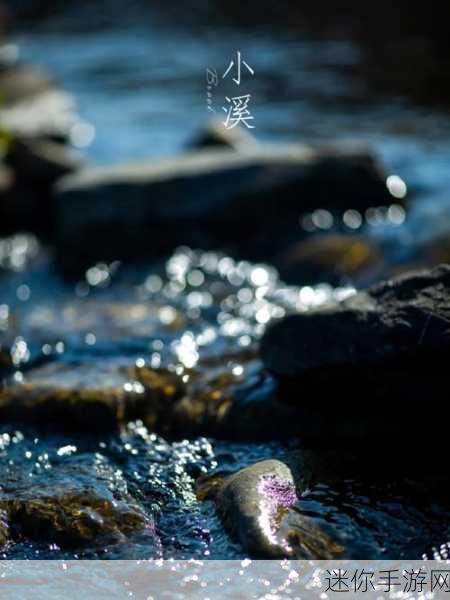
(384, 351)
(95, 396)
(75, 503)
(209, 198)
(334, 258)
(257, 505)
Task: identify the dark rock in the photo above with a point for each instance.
(6, 180)
(232, 411)
(384, 351)
(209, 198)
(257, 505)
(334, 258)
(4, 528)
(216, 135)
(36, 165)
(73, 504)
(41, 160)
(33, 114)
(93, 397)
(438, 250)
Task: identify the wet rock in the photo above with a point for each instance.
(383, 351)
(96, 397)
(209, 198)
(333, 258)
(75, 503)
(257, 505)
(228, 409)
(216, 135)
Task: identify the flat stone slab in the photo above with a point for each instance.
(209, 197)
(94, 396)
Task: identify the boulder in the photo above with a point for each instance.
(383, 352)
(96, 396)
(209, 198)
(257, 505)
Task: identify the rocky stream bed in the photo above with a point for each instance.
(240, 350)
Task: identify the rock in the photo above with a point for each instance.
(385, 350)
(4, 528)
(19, 81)
(47, 115)
(232, 411)
(6, 180)
(33, 114)
(438, 250)
(36, 165)
(17, 252)
(95, 397)
(209, 198)
(74, 503)
(257, 505)
(41, 160)
(333, 258)
(216, 135)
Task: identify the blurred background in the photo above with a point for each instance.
(135, 75)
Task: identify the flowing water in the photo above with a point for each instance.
(142, 87)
